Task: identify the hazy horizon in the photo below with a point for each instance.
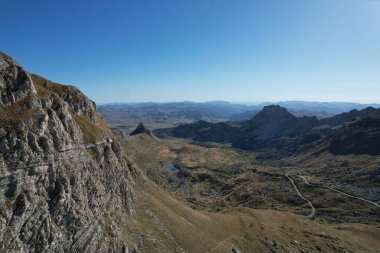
(239, 102)
(131, 51)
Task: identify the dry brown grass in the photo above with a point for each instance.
(104, 127)
(222, 178)
(251, 230)
(92, 132)
(148, 152)
(44, 86)
(15, 113)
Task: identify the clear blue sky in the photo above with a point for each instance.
(200, 50)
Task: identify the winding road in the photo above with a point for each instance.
(312, 213)
(305, 180)
(346, 194)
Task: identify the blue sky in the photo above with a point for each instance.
(200, 50)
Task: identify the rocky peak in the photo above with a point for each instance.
(270, 123)
(15, 83)
(141, 129)
(271, 119)
(78, 102)
(274, 112)
(63, 175)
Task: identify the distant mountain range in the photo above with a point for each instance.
(162, 115)
(274, 127)
(326, 107)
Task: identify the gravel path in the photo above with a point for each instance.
(312, 213)
(346, 194)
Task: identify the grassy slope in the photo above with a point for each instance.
(246, 230)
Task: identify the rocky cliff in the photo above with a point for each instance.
(64, 181)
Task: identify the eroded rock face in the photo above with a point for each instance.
(56, 195)
(15, 83)
(141, 129)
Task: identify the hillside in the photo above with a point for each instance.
(360, 137)
(270, 123)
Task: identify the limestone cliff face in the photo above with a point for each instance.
(64, 180)
(15, 83)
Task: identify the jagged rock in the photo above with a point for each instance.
(15, 83)
(56, 195)
(141, 129)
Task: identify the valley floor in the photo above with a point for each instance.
(226, 200)
(183, 229)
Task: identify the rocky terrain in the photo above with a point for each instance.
(63, 177)
(67, 186)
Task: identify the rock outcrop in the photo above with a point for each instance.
(15, 83)
(64, 181)
(141, 129)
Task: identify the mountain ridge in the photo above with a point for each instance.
(163, 115)
(273, 126)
